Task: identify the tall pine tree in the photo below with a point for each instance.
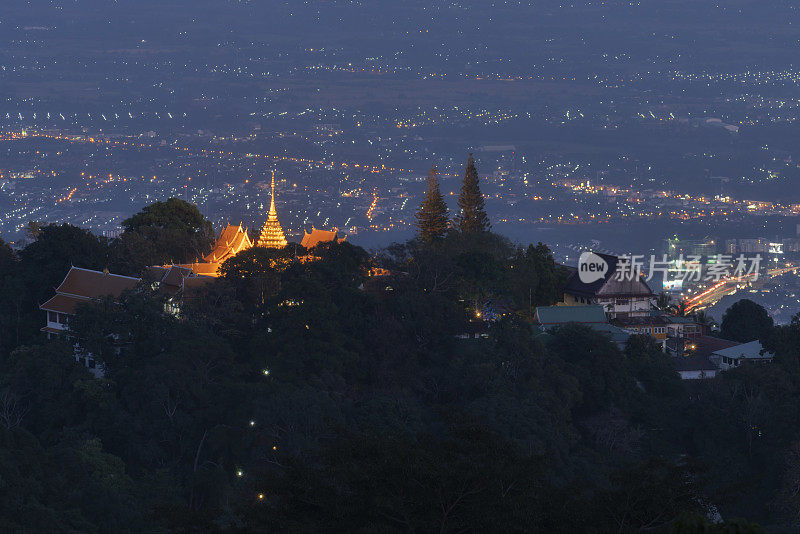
(472, 217)
(432, 218)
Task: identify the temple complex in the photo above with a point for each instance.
(234, 239)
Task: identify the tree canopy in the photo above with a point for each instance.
(176, 229)
(309, 390)
(432, 219)
(745, 321)
(472, 217)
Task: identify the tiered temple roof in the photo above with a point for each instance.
(316, 236)
(85, 285)
(272, 233)
(177, 278)
(232, 240)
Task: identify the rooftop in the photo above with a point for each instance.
(95, 284)
(749, 351)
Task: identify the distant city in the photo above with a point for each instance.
(583, 136)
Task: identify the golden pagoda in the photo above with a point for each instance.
(272, 233)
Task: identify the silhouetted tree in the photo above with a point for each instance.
(745, 321)
(472, 218)
(177, 229)
(432, 219)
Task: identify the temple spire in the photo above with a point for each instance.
(272, 233)
(273, 215)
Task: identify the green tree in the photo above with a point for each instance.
(432, 219)
(472, 217)
(177, 230)
(746, 321)
(46, 261)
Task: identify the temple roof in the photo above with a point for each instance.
(95, 284)
(231, 241)
(62, 304)
(82, 285)
(203, 269)
(317, 236)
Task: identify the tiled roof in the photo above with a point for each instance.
(203, 269)
(175, 275)
(617, 334)
(62, 304)
(95, 284)
(748, 351)
(231, 241)
(316, 236)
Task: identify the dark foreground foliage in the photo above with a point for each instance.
(298, 396)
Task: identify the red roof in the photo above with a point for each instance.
(95, 284)
(62, 304)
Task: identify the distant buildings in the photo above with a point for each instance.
(704, 356)
(661, 327)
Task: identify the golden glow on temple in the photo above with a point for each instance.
(272, 233)
(234, 239)
(231, 241)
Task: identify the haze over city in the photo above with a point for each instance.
(234, 154)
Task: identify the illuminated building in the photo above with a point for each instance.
(272, 233)
(232, 241)
(316, 236)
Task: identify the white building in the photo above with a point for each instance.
(735, 356)
(81, 286)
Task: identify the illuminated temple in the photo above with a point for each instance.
(234, 239)
(272, 233)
